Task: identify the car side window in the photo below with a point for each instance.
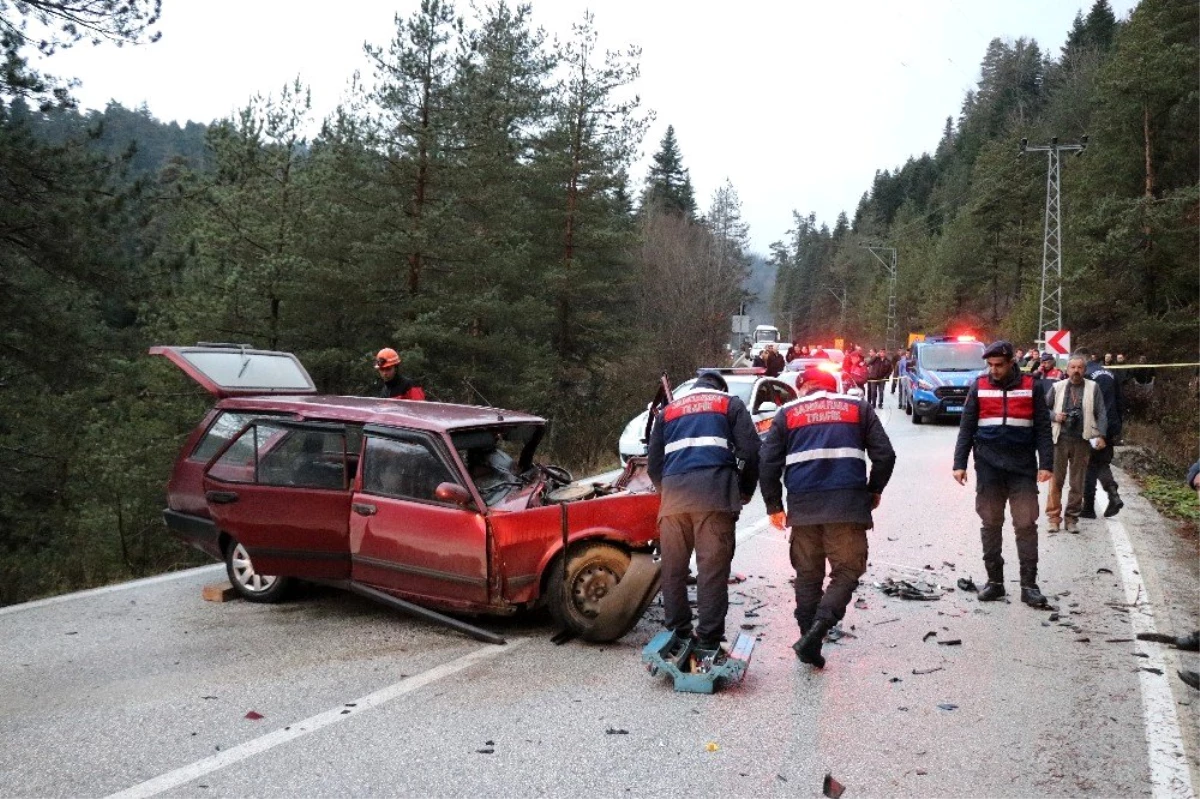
(275, 455)
(783, 394)
(404, 467)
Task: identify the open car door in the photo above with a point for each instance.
(237, 370)
(282, 489)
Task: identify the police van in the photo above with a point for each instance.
(940, 372)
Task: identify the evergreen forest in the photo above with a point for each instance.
(473, 206)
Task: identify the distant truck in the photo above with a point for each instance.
(940, 373)
(764, 335)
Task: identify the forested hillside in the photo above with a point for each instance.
(471, 206)
(967, 218)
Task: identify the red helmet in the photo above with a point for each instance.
(387, 358)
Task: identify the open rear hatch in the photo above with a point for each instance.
(238, 370)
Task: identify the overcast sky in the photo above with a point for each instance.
(797, 102)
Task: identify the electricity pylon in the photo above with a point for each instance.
(1050, 307)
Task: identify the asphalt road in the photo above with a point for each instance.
(144, 689)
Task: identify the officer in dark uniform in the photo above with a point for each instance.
(1100, 464)
(818, 446)
(1006, 422)
(695, 448)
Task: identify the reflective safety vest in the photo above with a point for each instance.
(696, 433)
(825, 449)
(1005, 414)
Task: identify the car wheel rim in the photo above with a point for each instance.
(244, 573)
(591, 586)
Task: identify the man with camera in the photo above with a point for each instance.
(1079, 423)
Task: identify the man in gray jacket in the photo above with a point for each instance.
(1078, 422)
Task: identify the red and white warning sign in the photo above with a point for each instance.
(1058, 341)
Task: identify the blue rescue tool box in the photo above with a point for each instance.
(694, 670)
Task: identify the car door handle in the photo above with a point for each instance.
(221, 497)
(363, 509)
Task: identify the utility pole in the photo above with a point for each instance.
(1050, 308)
(890, 266)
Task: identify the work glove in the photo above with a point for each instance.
(779, 520)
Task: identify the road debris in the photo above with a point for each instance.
(1084, 640)
(1188, 643)
(927, 671)
(948, 706)
(951, 642)
(1103, 570)
(905, 590)
(736, 578)
(966, 584)
(928, 635)
(615, 731)
(254, 715)
(887, 621)
(895, 679)
(1151, 670)
(831, 787)
(712, 746)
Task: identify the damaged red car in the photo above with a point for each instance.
(426, 506)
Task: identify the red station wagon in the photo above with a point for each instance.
(423, 505)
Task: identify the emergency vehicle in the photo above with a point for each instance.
(939, 376)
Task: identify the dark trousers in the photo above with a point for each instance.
(875, 393)
(1099, 469)
(711, 536)
(844, 545)
(994, 490)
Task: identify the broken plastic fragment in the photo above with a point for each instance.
(615, 731)
(711, 746)
(831, 787)
(967, 584)
(951, 642)
(928, 635)
(254, 715)
(948, 706)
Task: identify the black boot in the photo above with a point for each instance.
(994, 589)
(1030, 593)
(1089, 508)
(1114, 504)
(1189, 642)
(808, 648)
(991, 591)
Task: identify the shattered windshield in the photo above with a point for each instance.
(496, 457)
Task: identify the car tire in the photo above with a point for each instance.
(249, 584)
(916, 417)
(592, 571)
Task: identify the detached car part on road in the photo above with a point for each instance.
(426, 506)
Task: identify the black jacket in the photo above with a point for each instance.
(1023, 460)
(1110, 390)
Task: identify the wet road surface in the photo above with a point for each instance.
(144, 689)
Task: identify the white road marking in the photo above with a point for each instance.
(751, 530)
(1169, 773)
(108, 589)
(257, 746)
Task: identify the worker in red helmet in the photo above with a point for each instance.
(395, 385)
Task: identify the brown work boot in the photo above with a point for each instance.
(1053, 527)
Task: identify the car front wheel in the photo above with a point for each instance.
(247, 581)
(592, 572)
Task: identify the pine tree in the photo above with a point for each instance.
(668, 185)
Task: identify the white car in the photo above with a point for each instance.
(763, 397)
(795, 370)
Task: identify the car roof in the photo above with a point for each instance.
(434, 416)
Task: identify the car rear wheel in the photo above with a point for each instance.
(592, 572)
(917, 418)
(247, 581)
